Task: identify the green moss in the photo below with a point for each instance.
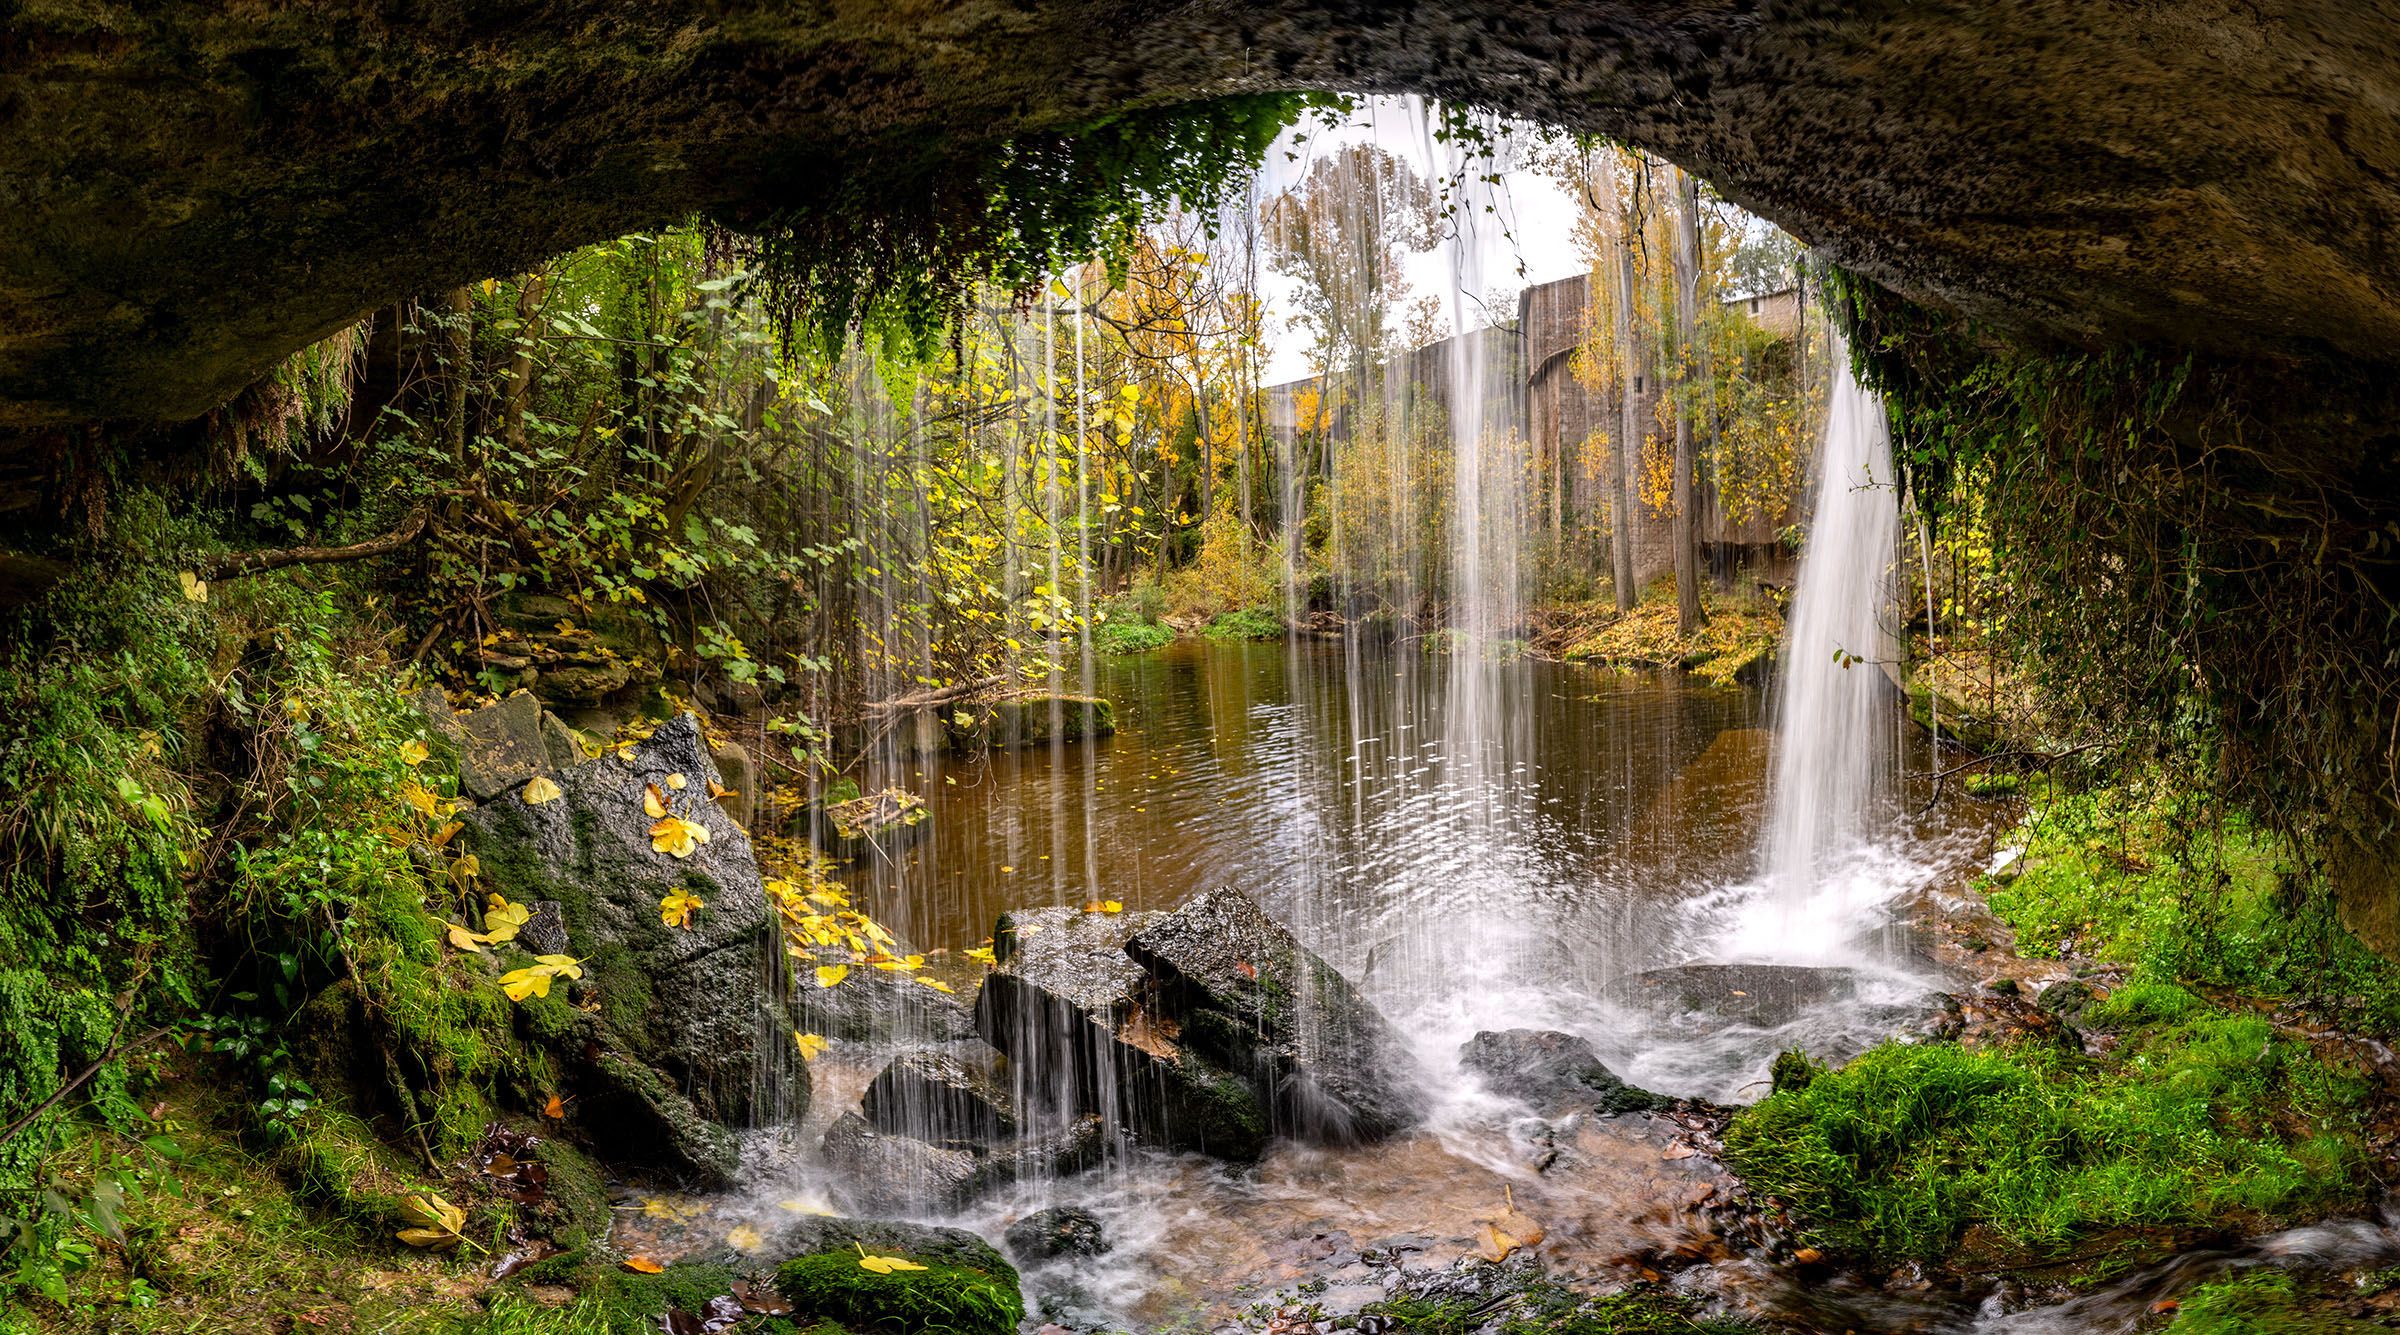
(2216, 1121)
(1533, 1305)
(2149, 876)
(2265, 1302)
(940, 1299)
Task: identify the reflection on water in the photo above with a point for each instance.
(1606, 824)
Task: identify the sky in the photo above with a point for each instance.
(1532, 227)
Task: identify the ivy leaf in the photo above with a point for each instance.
(541, 788)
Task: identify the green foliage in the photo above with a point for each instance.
(2149, 875)
(900, 251)
(1131, 637)
(2215, 1120)
(1249, 623)
(935, 1300)
(2191, 568)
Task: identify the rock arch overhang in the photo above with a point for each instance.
(189, 191)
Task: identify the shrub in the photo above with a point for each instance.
(1250, 623)
(1131, 637)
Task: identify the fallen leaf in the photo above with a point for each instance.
(810, 1045)
(744, 1238)
(1246, 969)
(937, 984)
(470, 942)
(677, 782)
(413, 753)
(1679, 1151)
(194, 587)
(1808, 1256)
(541, 788)
(643, 1265)
(829, 974)
(763, 1299)
(437, 1225)
(885, 1265)
(677, 837)
(1507, 1232)
(718, 791)
(676, 909)
(654, 803)
(555, 1109)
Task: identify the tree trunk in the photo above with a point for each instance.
(521, 366)
(1629, 415)
(1688, 617)
(458, 350)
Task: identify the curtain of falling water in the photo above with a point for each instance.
(1834, 745)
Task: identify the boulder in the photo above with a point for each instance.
(1552, 1072)
(883, 822)
(878, 1170)
(632, 1113)
(739, 775)
(692, 1002)
(1248, 995)
(1081, 1021)
(1060, 1231)
(956, 1093)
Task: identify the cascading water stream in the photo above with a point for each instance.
(1833, 759)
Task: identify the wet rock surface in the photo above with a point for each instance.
(959, 1092)
(1249, 995)
(877, 1170)
(1760, 996)
(1060, 1231)
(1073, 1011)
(1551, 1072)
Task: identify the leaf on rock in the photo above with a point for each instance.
(810, 1045)
(654, 803)
(829, 974)
(677, 782)
(541, 788)
(936, 984)
(676, 909)
(884, 1265)
(643, 1265)
(470, 942)
(677, 837)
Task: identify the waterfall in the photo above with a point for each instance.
(1833, 753)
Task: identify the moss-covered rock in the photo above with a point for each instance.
(691, 1001)
(963, 1288)
(1030, 719)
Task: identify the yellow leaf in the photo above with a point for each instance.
(540, 788)
(519, 984)
(744, 1238)
(716, 789)
(936, 984)
(677, 837)
(983, 955)
(654, 803)
(1112, 906)
(465, 940)
(194, 587)
(884, 1265)
(429, 1239)
(643, 1265)
(829, 974)
(676, 909)
(413, 753)
(676, 782)
(555, 1109)
(810, 1045)
(422, 802)
(565, 966)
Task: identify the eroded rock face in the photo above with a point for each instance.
(955, 1092)
(199, 189)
